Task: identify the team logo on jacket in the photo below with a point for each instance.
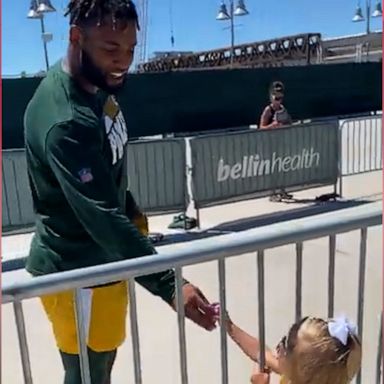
(115, 128)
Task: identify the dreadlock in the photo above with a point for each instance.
(85, 11)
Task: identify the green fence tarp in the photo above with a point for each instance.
(194, 101)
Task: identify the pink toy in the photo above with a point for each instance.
(216, 308)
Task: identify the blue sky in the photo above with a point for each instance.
(194, 24)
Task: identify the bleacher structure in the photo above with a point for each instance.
(303, 49)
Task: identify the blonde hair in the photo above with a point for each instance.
(319, 358)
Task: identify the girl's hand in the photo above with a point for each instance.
(216, 309)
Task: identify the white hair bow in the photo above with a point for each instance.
(341, 328)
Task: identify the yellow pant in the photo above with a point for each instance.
(141, 222)
(107, 315)
(107, 318)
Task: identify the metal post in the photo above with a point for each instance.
(260, 282)
(359, 149)
(331, 276)
(44, 42)
(82, 338)
(223, 332)
(232, 15)
(370, 142)
(340, 158)
(22, 336)
(198, 216)
(361, 289)
(368, 16)
(181, 324)
(379, 361)
(135, 331)
(353, 145)
(299, 269)
(348, 146)
(365, 145)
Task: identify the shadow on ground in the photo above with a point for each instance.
(315, 208)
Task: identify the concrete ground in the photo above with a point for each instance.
(157, 323)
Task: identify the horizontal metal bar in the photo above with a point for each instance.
(202, 251)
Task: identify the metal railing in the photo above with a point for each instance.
(361, 140)
(361, 149)
(255, 240)
(379, 357)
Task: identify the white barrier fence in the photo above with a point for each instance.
(214, 249)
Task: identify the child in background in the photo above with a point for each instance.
(315, 351)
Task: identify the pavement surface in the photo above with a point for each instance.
(157, 322)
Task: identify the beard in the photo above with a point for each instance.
(97, 77)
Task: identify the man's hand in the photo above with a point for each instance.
(197, 307)
(260, 378)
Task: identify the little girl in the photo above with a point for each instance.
(314, 351)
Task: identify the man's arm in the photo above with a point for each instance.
(197, 307)
(74, 153)
(161, 284)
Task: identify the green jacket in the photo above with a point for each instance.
(76, 145)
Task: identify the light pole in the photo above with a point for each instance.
(378, 12)
(36, 11)
(223, 14)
